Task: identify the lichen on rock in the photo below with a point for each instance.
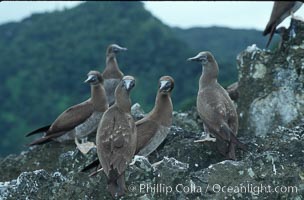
(178, 169)
(271, 86)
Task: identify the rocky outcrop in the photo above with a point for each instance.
(271, 85)
(178, 169)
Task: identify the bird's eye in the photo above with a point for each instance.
(204, 59)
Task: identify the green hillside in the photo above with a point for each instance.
(225, 44)
(44, 60)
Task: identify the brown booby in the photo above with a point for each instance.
(78, 121)
(116, 138)
(215, 107)
(155, 126)
(112, 74)
(280, 10)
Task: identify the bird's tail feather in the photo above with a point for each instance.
(39, 141)
(227, 150)
(267, 30)
(46, 139)
(270, 36)
(39, 130)
(117, 186)
(232, 137)
(93, 164)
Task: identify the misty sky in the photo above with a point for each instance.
(182, 14)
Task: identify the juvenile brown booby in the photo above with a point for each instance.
(154, 128)
(280, 10)
(215, 107)
(116, 138)
(112, 74)
(78, 121)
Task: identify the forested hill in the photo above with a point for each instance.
(44, 60)
(224, 43)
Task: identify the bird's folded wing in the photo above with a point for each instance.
(72, 117)
(146, 130)
(157, 140)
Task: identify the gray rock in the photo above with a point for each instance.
(38, 184)
(137, 112)
(187, 120)
(180, 169)
(271, 86)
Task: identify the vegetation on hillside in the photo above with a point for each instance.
(224, 43)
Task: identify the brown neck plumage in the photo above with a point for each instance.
(112, 70)
(162, 111)
(210, 74)
(99, 98)
(122, 99)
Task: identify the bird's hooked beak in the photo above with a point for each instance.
(129, 84)
(90, 79)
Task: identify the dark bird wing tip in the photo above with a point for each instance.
(233, 137)
(240, 144)
(266, 31)
(270, 31)
(39, 130)
(95, 163)
(39, 141)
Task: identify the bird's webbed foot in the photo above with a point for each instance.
(207, 137)
(85, 146)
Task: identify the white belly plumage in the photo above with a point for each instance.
(89, 126)
(158, 138)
